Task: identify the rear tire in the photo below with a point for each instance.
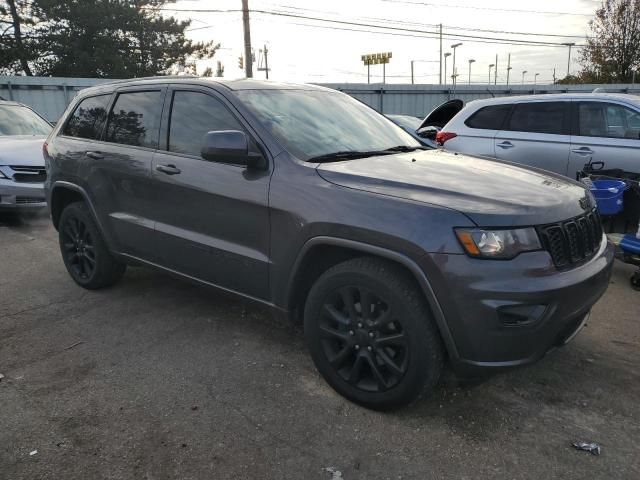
(371, 334)
(83, 250)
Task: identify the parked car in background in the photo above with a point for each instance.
(22, 169)
(394, 257)
(425, 130)
(411, 125)
(558, 132)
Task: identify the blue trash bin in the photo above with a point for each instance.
(609, 195)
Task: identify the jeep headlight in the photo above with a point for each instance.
(499, 244)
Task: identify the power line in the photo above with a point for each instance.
(424, 33)
(452, 27)
(473, 7)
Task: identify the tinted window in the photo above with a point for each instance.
(193, 114)
(489, 118)
(88, 118)
(608, 120)
(135, 118)
(19, 120)
(538, 117)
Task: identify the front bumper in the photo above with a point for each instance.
(17, 196)
(508, 313)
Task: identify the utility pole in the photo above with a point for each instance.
(554, 76)
(454, 76)
(569, 44)
(471, 60)
(264, 54)
(411, 72)
(491, 65)
(445, 66)
(495, 73)
(248, 64)
(508, 68)
(266, 62)
(441, 56)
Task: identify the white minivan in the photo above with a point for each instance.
(558, 132)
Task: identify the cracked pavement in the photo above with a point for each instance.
(156, 378)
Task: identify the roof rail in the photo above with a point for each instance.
(156, 77)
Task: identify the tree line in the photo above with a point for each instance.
(94, 38)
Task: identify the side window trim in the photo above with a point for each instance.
(162, 88)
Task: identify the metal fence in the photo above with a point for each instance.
(50, 96)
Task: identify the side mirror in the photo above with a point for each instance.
(229, 146)
(429, 132)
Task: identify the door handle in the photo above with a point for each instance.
(95, 155)
(505, 144)
(582, 151)
(168, 169)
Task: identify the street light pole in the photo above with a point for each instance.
(535, 79)
(445, 66)
(471, 60)
(411, 72)
(523, 74)
(454, 46)
(490, 67)
(569, 44)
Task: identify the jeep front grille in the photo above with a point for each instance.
(573, 241)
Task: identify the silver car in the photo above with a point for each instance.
(559, 132)
(22, 172)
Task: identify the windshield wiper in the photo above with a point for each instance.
(405, 148)
(347, 155)
(353, 154)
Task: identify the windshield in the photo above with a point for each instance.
(406, 121)
(19, 120)
(315, 123)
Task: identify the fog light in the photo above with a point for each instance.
(521, 315)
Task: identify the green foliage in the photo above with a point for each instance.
(103, 38)
(613, 48)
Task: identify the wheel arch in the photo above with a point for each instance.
(62, 194)
(320, 253)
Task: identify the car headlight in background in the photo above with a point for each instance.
(3, 176)
(500, 244)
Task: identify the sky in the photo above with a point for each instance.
(306, 50)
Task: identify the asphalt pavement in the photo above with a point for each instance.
(157, 378)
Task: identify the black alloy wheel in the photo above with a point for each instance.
(363, 339)
(83, 250)
(371, 334)
(78, 248)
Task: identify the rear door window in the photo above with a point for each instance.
(489, 118)
(538, 117)
(135, 119)
(88, 118)
(193, 114)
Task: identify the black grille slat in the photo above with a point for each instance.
(573, 241)
(29, 174)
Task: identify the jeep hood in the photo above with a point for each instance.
(22, 150)
(490, 192)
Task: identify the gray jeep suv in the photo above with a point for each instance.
(396, 259)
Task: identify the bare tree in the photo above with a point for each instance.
(613, 48)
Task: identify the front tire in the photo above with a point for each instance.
(371, 334)
(83, 250)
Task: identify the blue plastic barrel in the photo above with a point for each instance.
(608, 195)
